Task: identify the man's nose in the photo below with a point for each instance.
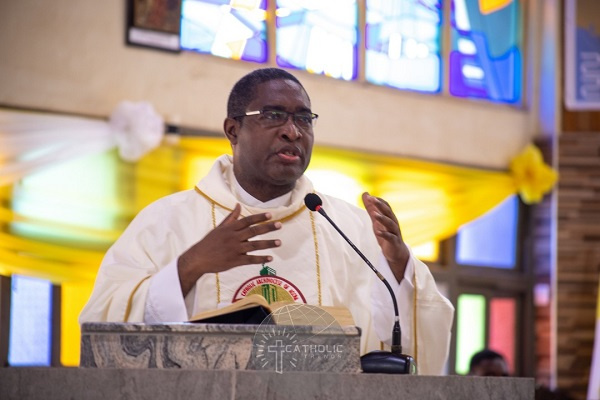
(289, 130)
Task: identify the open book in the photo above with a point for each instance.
(254, 308)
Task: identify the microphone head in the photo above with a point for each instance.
(313, 201)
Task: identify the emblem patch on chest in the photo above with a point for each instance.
(272, 287)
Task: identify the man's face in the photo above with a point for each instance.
(269, 159)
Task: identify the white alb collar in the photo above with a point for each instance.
(249, 200)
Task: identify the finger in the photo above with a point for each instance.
(253, 245)
(377, 218)
(384, 208)
(259, 229)
(233, 215)
(387, 224)
(250, 220)
(388, 236)
(379, 204)
(368, 202)
(383, 218)
(248, 260)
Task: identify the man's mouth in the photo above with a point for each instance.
(289, 154)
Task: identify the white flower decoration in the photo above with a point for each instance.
(137, 128)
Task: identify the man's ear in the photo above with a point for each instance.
(231, 127)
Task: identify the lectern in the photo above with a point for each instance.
(214, 362)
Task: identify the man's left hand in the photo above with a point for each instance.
(388, 234)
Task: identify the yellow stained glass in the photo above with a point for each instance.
(490, 6)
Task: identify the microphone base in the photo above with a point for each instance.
(386, 362)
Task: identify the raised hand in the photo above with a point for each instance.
(387, 231)
(227, 246)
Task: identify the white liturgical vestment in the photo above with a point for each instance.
(313, 265)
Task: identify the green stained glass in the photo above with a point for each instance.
(470, 332)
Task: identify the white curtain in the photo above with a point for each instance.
(33, 141)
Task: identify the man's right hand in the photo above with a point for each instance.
(227, 246)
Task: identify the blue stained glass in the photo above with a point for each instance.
(490, 241)
(403, 44)
(233, 29)
(318, 36)
(30, 336)
(485, 58)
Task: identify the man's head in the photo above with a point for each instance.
(244, 91)
(488, 363)
(269, 124)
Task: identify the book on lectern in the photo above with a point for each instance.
(253, 309)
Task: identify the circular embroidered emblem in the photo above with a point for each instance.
(271, 287)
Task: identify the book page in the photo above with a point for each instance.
(254, 300)
(282, 312)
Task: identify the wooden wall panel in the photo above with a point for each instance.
(578, 257)
(580, 121)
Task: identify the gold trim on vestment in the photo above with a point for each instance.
(207, 197)
(217, 281)
(416, 338)
(317, 262)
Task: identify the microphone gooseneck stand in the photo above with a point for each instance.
(387, 362)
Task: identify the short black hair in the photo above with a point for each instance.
(485, 354)
(244, 91)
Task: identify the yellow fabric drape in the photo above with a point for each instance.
(431, 200)
(57, 263)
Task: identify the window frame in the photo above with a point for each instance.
(493, 282)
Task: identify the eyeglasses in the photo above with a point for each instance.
(272, 118)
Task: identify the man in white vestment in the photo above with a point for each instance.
(244, 229)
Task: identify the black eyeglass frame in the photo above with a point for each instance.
(295, 116)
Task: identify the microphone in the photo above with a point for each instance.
(387, 362)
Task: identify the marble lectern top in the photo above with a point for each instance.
(221, 347)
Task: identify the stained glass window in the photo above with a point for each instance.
(30, 336)
(318, 36)
(233, 29)
(470, 329)
(490, 241)
(485, 55)
(502, 328)
(403, 44)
